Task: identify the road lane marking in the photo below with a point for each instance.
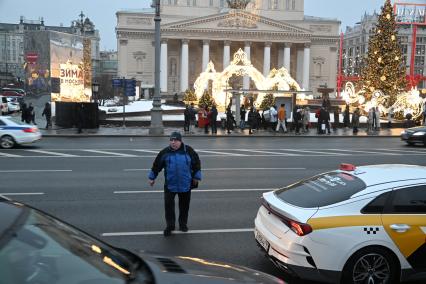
(226, 169)
(267, 152)
(154, 233)
(403, 151)
(301, 152)
(364, 152)
(110, 153)
(52, 153)
(196, 190)
(33, 171)
(147, 151)
(9, 155)
(21, 193)
(221, 153)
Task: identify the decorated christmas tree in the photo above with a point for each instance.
(267, 102)
(206, 100)
(189, 96)
(384, 69)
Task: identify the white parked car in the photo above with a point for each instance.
(13, 131)
(13, 105)
(354, 225)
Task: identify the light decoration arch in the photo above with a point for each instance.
(241, 66)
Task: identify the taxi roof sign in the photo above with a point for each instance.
(347, 167)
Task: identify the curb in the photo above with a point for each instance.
(210, 136)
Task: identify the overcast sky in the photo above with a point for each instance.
(102, 12)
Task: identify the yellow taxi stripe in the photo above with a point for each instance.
(344, 221)
(409, 241)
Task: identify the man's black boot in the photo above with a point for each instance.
(183, 228)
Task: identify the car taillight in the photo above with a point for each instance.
(30, 130)
(301, 229)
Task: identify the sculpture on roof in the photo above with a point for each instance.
(237, 4)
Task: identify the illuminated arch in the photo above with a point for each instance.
(241, 66)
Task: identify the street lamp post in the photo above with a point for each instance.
(156, 111)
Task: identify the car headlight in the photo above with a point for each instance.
(403, 132)
(419, 133)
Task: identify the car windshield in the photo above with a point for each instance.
(40, 249)
(321, 190)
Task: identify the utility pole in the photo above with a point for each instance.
(156, 111)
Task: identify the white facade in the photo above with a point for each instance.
(194, 32)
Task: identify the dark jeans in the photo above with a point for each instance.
(169, 206)
(214, 126)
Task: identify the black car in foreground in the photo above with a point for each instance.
(40, 249)
(414, 135)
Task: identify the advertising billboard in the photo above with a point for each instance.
(410, 13)
(67, 62)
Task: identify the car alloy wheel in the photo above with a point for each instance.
(371, 265)
(371, 269)
(7, 142)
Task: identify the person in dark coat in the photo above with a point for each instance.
(47, 112)
(346, 117)
(187, 119)
(242, 117)
(182, 172)
(24, 112)
(80, 117)
(30, 114)
(324, 117)
(213, 119)
(229, 120)
(336, 119)
(252, 120)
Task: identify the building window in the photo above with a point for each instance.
(404, 48)
(173, 67)
(419, 61)
(420, 49)
(211, 3)
(293, 4)
(287, 4)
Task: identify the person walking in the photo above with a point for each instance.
(24, 112)
(213, 119)
(336, 118)
(30, 115)
(242, 117)
(355, 121)
(306, 119)
(281, 119)
(377, 116)
(187, 119)
(390, 116)
(273, 117)
(182, 172)
(346, 117)
(252, 120)
(192, 113)
(370, 119)
(47, 112)
(229, 120)
(206, 118)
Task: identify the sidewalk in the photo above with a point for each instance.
(106, 131)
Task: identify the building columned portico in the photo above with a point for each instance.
(301, 44)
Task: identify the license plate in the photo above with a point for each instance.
(262, 240)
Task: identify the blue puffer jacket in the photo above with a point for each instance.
(180, 167)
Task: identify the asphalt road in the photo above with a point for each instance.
(100, 185)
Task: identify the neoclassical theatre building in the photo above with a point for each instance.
(273, 34)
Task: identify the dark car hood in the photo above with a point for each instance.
(418, 128)
(182, 269)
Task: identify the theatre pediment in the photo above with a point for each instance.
(236, 20)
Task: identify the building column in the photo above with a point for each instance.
(333, 67)
(163, 66)
(306, 63)
(184, 63)
(206, 52)
(122, 51)
(267, 59)
(226, 53)
(246, 79)
(287, 53)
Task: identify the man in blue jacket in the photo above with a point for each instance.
(182, 172)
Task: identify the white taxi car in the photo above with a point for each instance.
(13, 131)
(354, 225)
